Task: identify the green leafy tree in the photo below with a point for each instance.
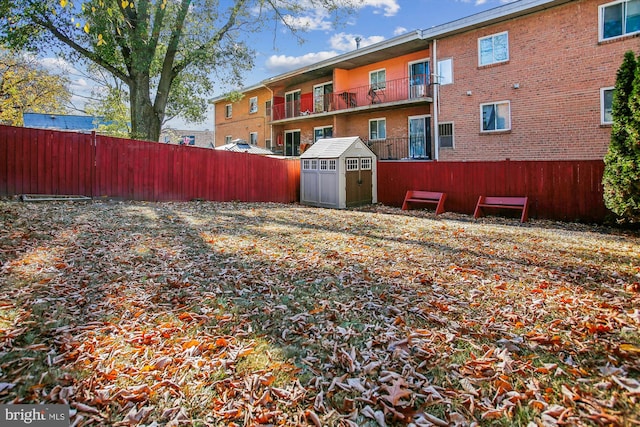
(621, 178)
(160, 49)
(110, 104)
(27, 87)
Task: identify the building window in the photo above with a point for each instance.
(495, 116)
(445, 135)
(322, 97)
(445, 72)
(267, 108)
(365, 163)
(253, 138)
(292, 103)
(619, 18)
(323, 132)
(227, 139)
(332, 164)
(228, 111)
(493, 49)
(378, 79)
(352, 164)
(292, 143)
(606, 102)
(377, 129)
(267, 143)
(253, 104)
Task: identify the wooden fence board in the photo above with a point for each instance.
(50, 162)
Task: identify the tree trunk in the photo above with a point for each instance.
(146, 122)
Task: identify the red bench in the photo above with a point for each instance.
(519, 203)
(424, 197)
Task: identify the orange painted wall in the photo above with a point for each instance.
(396, 68)
(242, 122)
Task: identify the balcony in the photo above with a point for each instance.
(385, 94)
(404, 148)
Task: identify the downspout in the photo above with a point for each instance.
(436, 87)
(268, 120)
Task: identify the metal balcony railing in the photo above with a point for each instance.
(404, 148)
(390, 91)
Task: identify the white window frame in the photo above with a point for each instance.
(378, 85)
(601, 10)
(365, 163)
(252, 139)
(228, 139)
(253, 105)
(228, 111)
(310, 164)
(452, 135)
(322, 85)
(378, 119)
(333, 164)
(352, 163)
(292, 110)
(323, 129)
(494, 60)
(441, 78)
(603, 107)
(508, 128)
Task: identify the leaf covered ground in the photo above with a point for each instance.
(228, 314)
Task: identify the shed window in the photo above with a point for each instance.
(324, 165)
(309, 164)
(365, 163)
(352, 164)
(332, 165)
(314, 164)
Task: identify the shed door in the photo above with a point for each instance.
(359, 181)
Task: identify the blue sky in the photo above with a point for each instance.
(376, 21)
(279, 52)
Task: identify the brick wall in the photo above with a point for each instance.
(242, 122)
(560, 67)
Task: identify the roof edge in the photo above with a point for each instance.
(491, 16)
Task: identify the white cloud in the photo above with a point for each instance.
(389, 7)
(315, 20)
(284, 63)
(319, 19)
(346, 42)
(399, 30)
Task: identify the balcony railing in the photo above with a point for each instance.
(404, 89)
(406, 148)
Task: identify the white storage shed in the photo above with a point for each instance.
(338, 173)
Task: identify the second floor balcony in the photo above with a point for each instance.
(384, 94)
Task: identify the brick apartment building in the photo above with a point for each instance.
(529, 80)
(247, 119)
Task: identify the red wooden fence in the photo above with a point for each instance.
(561, 190)
(49, 162)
